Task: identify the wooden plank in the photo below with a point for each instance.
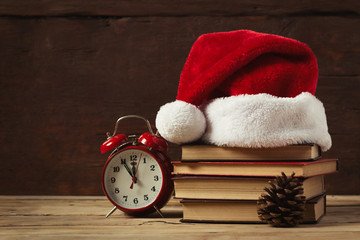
(29, 218)
(13, 205)
(65, 205)
(342, 200)
(335, 215)
(178, 232)
(177, 8)
(340, 100)
(69, 79)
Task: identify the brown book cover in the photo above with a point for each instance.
(235, 188)
(259, 169)
(198, 152)
(217, 211)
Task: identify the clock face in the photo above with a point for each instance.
(132, 179)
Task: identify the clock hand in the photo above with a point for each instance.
(127, 168)
(133, 170)
(134, 178)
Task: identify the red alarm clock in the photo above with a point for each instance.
(136, 177)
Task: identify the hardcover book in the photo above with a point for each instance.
(265, 169)
(226, 211)
(305, 152)
(235, 188)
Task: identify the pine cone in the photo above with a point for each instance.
(283, 204)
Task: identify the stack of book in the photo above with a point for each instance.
(223, 184)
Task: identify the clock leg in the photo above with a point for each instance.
(111, 212)
(159, 212)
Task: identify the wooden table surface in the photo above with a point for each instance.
(82, 217)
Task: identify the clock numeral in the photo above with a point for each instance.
(145, 160)
(152, 167)
(136, 201)
(146, 197)
(125, 197)
(153, 189)
(133, 158)
(156, 178)
(112, 179)
(117, 169)
(123, 161)
(117, 190)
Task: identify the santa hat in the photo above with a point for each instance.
(246, 89)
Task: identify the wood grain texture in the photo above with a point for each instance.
(64, 80)
(63, 217)
(174, 8)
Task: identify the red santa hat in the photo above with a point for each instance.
(246, 89)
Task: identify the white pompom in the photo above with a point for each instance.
(180, 122)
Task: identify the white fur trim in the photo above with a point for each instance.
(263, 120)
(180, 122)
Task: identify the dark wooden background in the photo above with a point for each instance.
(70, 68)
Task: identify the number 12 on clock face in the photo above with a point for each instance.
(133, 179)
